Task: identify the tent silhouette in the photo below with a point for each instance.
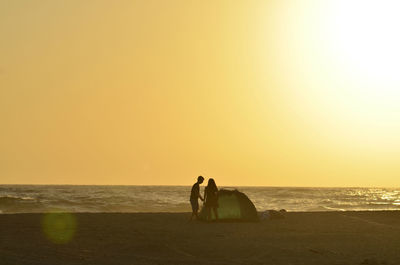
(233, 205)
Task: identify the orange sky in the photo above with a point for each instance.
(299, 93)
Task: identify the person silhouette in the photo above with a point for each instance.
(211, 199)
(194, 197)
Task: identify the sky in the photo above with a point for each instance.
(153, 92)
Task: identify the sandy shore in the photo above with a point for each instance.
(167, 238)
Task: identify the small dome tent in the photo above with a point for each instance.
(233, 205)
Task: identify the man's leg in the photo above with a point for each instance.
(195, 208)
(191, 217)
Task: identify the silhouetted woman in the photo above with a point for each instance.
(211, 199)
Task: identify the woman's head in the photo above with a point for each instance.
(211, 183)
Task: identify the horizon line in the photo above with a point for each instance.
(188, 185)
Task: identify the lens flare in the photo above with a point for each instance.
(59, 227)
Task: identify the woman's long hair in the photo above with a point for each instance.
(211, 185)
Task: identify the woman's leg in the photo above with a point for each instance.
(208, 213)
(215, 212)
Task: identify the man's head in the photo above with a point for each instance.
(200, 179)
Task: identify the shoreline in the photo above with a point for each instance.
(188, 212)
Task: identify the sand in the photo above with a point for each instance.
(167, 238)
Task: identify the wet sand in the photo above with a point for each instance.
(167, 238)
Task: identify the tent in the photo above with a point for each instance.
(233, 205)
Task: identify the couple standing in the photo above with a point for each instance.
(210, 198)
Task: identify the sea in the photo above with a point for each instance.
(70, 198)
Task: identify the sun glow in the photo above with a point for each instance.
(346, 60)
(365, 36)
(364, 40)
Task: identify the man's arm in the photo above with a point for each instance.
(204, 197)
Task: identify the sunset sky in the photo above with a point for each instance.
(272, 93)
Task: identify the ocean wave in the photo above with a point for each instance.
(14, 199)
(19, 199)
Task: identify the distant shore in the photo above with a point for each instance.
(369, 237)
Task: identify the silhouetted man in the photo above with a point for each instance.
(194, 197)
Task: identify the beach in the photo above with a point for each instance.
(168, 238)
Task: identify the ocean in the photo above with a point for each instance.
(44, 198)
